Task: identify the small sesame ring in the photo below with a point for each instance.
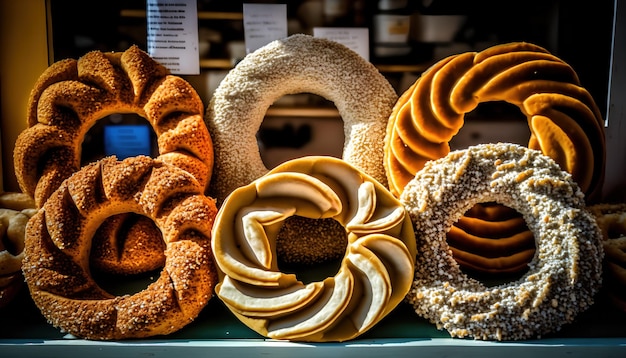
(564, 274)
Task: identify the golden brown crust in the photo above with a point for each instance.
(56, 263)
(565, 273)
(564, 121)
(71, 95)
(375, 271)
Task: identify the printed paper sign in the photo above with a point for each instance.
(263, 23)
(173, 35)
(355, 38)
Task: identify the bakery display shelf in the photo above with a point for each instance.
(600, 332)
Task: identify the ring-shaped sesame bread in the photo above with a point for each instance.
(297, 64)
(611, 218)
(564, 120)
(72, 95)
(58, 239)
(564, 275)
(375, 272)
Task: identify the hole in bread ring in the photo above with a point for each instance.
(564, 274)
(297, 64)
(375, 272)
(58, 241)
(71, 96)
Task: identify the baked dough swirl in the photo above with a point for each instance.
(564, 121)
(564, 275)
(58, 240)
(375, 273)
(297, 64)
(72, 95)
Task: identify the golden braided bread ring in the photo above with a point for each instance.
(564, 121)
(375, 273)
(72, 95)
(297, 64)
(564, 275)
(611, 219)
(58, 240)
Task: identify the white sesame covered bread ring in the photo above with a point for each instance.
(564, 121)
(72, 95)
(375, 273)
(297, 64)
(58, 240)
(564, 275)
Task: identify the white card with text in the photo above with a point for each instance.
(263, 23)
(173, 35)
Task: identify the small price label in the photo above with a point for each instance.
(173, 35)
(263, 23)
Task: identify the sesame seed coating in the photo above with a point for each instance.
(564, 275)
(71, 95)
(59, 238)
(297, 64)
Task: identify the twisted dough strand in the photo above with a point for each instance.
(58, 240)
(564, 120)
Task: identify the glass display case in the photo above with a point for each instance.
(589, 36)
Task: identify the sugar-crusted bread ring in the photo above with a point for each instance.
(58, 239)
(297, 64)
(72, 95)
(564, 275)
(375, 273)
(611, 218)
(564, 120)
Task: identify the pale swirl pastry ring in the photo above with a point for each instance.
(56, 263)
(297, 64)
(375, 273)
(563, 276)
